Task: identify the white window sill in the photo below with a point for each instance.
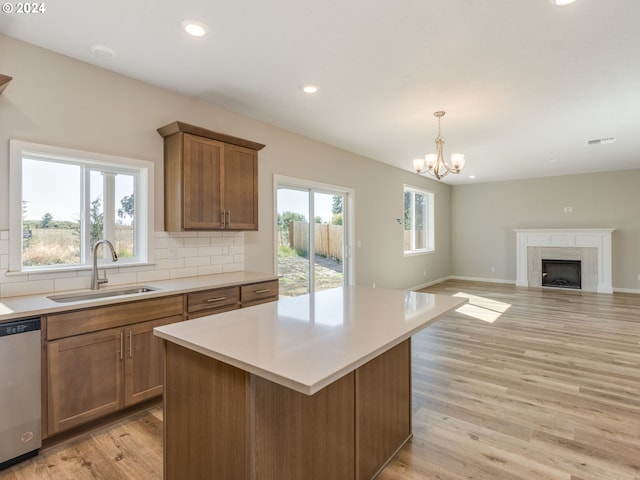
(418, 252)
(78, 268)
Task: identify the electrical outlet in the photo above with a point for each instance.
(639, 277)
(493, 269)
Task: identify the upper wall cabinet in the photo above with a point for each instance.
(210, 180)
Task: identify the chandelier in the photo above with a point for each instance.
(435, 163)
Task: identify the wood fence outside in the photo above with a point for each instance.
(327, 238)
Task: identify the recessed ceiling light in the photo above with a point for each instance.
(195, 28)
(472, 177)
(310, 88)
(561, 3)
(103, 52)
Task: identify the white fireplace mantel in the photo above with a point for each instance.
(599, 238)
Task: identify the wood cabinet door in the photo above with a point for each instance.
(144, 361)
(202, 183)
(84, 378)
(240, 190)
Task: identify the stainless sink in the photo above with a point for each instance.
(95, 294)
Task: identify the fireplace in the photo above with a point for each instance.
(562, 273)
(592, 246)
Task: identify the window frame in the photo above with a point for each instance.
(142, 170)
(430, 224)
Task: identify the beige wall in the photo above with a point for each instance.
(57, 100)
(484, 216)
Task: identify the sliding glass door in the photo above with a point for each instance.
(312, 238)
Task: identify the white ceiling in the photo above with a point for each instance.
(524, 84)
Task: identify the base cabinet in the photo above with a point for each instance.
(144, 361)
(94, 374)
(84, 379)
(99, 360)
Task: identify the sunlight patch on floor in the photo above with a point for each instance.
(482, 308)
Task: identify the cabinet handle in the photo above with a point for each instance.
(223, 218)
(130, 344)
(217, 299)
(264, 290)
(121, 345)
(228, 218)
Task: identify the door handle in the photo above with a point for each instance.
(130, 344)
(121, 345)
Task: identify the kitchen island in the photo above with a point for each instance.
(313, 387)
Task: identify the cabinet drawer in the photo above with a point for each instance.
(259, 292)
(61, 325)
(212, 299)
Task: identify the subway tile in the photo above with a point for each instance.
(184, 272)
(232, 267)
(197, 261)
(66, 284)
(154, 275)
(187, 252)
(209, 251)
(197, 242)
(26, 288)
(209, 269)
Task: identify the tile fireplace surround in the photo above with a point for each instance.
(592, 246)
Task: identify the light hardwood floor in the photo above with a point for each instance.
(531, 384)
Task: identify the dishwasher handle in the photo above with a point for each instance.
(16, 327)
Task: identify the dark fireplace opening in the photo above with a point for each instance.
(561, 273)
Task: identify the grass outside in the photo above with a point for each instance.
(61, 246)
(294, 272)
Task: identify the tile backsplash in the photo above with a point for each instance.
(175, 255)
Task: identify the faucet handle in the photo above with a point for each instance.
(104, 278)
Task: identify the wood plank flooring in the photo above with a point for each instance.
(535, 384)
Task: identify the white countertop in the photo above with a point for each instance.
(33, 305)
(307, 342)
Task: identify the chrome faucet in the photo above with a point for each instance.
(96, 281)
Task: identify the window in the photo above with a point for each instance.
(63, 200)
(418, 221)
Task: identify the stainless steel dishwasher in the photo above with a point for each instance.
(20, 399)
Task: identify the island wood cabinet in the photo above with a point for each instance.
(210, 179)
(103, 359)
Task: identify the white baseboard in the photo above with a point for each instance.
(483, 279)
(497, 280)
(434, 282)
(469, 279)
(626, 290)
